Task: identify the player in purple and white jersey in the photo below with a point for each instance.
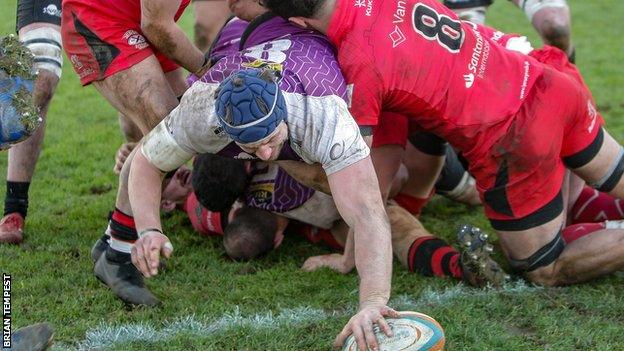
(299, 68)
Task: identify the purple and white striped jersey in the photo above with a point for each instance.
(272, 189)
(321, 129)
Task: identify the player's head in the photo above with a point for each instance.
(19, 117)
(295, 8)
(250, 234)
(246, 9)
(252, 111)
(218, 181)
(177, 190)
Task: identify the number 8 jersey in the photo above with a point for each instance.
(417, 58)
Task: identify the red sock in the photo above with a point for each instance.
(203, 221)
(593, 206)
(413, 205)
(431, 256)
(577, 231)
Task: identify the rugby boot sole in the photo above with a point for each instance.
(478, 266)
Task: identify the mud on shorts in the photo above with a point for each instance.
(101, 41)
(520, 177)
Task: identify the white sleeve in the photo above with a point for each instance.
(326, 131)
(191, 128)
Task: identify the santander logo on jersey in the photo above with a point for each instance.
(478, 60)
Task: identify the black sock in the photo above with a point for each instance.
(16, 199)
(117, 256)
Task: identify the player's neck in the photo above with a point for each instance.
(320, 22)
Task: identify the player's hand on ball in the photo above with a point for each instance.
(337, 262)
(147, 250)
(361, 326)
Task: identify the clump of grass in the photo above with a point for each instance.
(15, 59)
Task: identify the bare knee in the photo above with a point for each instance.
(548, 276)
(555, 30)
(45, 86)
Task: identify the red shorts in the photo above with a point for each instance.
(520, 177)
(102, 38)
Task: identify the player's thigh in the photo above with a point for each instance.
(386, 160)
(604, 172)
(176, 81)
(534, 252)
(141, 92)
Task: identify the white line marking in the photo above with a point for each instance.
(105, 336)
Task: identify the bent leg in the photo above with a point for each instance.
(44, 41)
(541, 254)
(141, 93)
(551, 19)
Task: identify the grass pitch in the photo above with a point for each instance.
(210, 303)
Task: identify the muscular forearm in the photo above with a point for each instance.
(173, 42)
(373, 259)
(357, 197)
(158, 25)
(144, 190)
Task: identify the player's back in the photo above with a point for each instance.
(417, 58)
(305, 58)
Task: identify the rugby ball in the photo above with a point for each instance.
(412, 332)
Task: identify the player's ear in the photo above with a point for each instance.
(300, 21)
(167, 206)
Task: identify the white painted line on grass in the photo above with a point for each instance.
(105, 336)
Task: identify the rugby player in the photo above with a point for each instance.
(310, 86)
(492, 105)
(38, 25)
(551, 18)
(132, 54)
(271, 199)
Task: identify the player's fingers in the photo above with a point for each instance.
(153, 257)
(133, 255)
(384, 326)
(342, 336)
(369, 334)
(145, 262)
(389, 312)
(360, 338)
(167, 249)
(139, 261)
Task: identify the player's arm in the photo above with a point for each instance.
(357, 197)
(157, 153)
(183, 133)
(159, 26)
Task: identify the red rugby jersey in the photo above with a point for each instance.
(417, 58)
